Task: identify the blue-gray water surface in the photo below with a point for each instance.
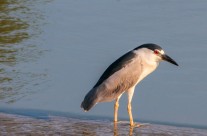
(53, 51)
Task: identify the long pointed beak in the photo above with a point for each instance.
(167, 58)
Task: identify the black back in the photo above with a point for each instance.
(123, 61)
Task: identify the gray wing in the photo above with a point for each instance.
(119, 79)
(116, 79)
(116, 66)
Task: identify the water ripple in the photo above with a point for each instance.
(20, 27)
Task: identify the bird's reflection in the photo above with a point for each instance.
(116, 130)
(131, 129)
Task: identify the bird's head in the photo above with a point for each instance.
(156, 53)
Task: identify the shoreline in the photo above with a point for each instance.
(44, 114)
(13, 124)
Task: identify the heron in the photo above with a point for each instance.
(123, 75)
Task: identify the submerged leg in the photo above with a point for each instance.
(129, 107)
(116, 107)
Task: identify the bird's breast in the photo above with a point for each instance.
(146, 69)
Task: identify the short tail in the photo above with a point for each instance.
(90, 100)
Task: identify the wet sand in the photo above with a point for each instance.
(17, 125)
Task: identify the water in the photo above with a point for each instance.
(53, 52)
(20, 125)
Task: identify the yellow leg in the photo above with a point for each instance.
(129, 107)
(116, 107)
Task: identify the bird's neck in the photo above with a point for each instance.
(148, 58)
(147, 63)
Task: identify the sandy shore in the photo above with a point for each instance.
(16, 125)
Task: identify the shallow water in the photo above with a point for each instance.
(21, 125)
(53, 52)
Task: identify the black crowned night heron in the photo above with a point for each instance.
(123, 75)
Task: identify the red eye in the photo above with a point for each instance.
(156, 52)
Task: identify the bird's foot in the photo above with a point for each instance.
(126, 123)
(138, 125)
